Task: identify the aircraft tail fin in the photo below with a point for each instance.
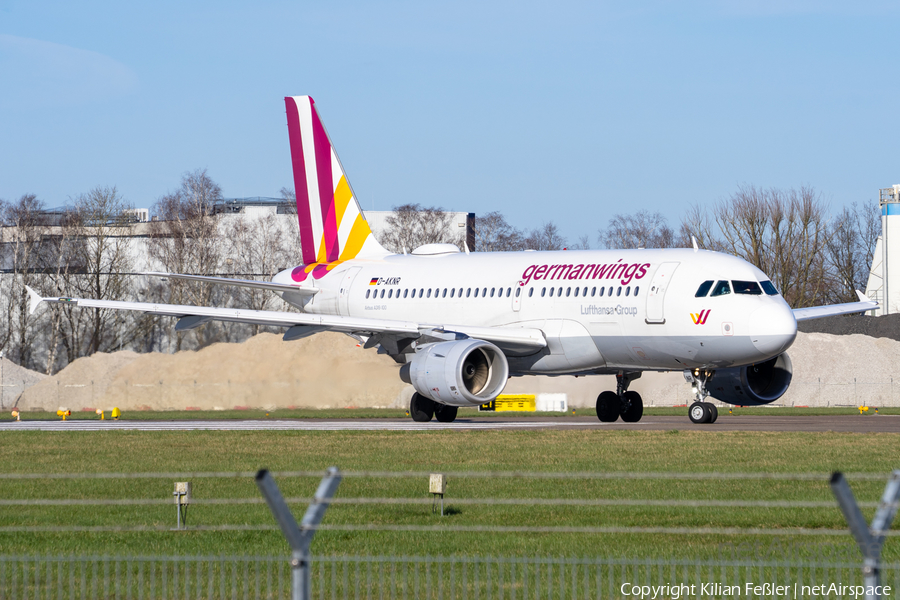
(332, 225)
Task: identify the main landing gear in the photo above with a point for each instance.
(621, 403)
(422, 409)
(701, 411)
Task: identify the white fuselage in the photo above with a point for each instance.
(600, 311)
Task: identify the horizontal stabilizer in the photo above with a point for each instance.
(260, 285)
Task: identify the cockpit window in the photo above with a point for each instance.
(768, 288)
(746, 287)
(721, 288)
(703, 290)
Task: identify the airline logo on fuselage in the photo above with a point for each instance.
(624, 272)
(700, 318)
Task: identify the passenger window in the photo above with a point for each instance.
(551, 292)
(468, 292)
(484, 292)
(390, 293)
(530, 292)
(405, 294)
(609, 293)
(601, 291)
(636, 288)
(476, 292)
(703, 290)
(421, 291)
(367, 294)
(429, 293)
(444, 295)
(568, 291)
(382, 293)
(460, 293)
(628, 290)
(576, 292)
(619, 291)
(769, 288)
(452, 292)
(746, 287)
(518, 292)
(492, 292)
(543, 291)
(508, 292)
(584, 292)
(720, 289)
(559, 292)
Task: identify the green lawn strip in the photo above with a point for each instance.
(465, 413)
(439, 451)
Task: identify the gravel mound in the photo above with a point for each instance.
(887, 326)
(14, 380)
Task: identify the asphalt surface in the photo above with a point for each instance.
(838, 423)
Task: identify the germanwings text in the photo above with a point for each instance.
(624, 272)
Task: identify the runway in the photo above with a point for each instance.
(838, 423)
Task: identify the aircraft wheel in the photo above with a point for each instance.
(608, 407)
(713, 412)
(421, 409)
(635, 409)
(444, 413)
(699, 412)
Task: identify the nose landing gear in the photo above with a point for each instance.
(621, 403)
(700, 411)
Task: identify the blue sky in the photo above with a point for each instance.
(569, 112)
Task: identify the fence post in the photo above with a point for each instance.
(299, 537)
(869, 540)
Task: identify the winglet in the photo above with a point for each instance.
(863, 297)
(35, 300)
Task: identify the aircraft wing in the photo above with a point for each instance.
(518, 341)
(260, 285)
(833, 310)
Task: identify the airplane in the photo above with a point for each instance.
(461, 324)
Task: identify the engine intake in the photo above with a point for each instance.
(753, 385)
(459, 373)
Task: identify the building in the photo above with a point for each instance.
(884, 278)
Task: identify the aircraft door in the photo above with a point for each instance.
(346, 284)
(657, 294)
(517, 296)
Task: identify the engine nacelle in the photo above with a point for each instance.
(752, 385)
(459, 373)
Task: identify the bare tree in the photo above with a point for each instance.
(413, 225)
(850, 247)
(545, 237)
(494, 234)
(97, 237)
(257, 247)
(185, 239)
(23, 240)
(642, 229)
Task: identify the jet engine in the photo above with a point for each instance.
(752, 385)
(458, 373)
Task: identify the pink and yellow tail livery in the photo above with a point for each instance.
(332, 226)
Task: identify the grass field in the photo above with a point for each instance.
(442, 451)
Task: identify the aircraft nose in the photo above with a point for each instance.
(773, 328)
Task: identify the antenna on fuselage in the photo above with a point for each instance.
(694, 243)
(465, 246)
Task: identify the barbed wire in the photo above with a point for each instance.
(585, 502)
(457, 474)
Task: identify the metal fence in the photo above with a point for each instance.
(476, 578)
